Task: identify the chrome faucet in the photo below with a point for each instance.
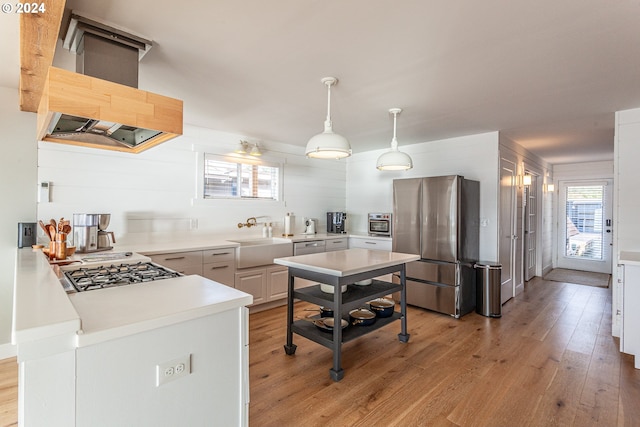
(250, 223)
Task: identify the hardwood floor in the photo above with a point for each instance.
(8, 392)
(549, 361)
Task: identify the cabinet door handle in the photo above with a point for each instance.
(219, 267)
(174, 258)
(371, 243)
(220, 253)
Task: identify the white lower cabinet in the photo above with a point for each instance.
(186, 263)
(336, 244)
(219, 265)
(630, 336)
(277, 282)
(117, 380)
(252, 281)
(216, 264)
(266, 284)
(370, 243)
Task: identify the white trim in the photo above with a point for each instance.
(7, 350)
(201, 151)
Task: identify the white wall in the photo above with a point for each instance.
(153, 191)
(474, 157)
(18, 190)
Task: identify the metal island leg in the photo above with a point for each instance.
(337, 373)
(290, 347)
(403, 336)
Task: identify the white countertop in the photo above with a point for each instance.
(43, 310)
(158, 244)
(346, 262)
(126, 310)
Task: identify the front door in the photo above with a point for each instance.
(584, 227)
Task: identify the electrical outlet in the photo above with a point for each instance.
(173, 369)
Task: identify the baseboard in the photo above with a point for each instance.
(7, 350)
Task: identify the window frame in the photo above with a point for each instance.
(201, 156)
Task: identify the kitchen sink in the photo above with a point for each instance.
(261, 251)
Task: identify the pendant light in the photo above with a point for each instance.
(328, 145)
(394, 160)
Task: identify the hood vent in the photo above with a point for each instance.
(99, 105)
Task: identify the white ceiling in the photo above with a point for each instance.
(548, 74)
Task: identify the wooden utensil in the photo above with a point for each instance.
(52, 231)
(66, 228)
(45, 228)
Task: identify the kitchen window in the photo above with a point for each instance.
(226, 178)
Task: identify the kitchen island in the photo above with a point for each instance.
(336, 269)
(169, 352)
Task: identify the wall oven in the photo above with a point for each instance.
(380, 224)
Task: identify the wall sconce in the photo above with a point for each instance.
(551, 188)
(245, 148)
(242, 147)
(526, 180)
(255, 151)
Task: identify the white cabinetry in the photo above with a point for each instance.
(113, 375)
(183, 262)
(336, 244)
(266, 284)
(630, 336)
(219, 265)
(253, 281)
(277, 282)
(370, 243)
(215, 264)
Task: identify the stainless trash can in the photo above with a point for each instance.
(488, 275)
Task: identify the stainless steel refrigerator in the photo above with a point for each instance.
(438, 218)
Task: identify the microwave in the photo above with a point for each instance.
(380, 224)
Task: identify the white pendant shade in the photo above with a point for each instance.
(394, 160)
(328, 144)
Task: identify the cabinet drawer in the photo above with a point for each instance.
(179, 260)
(336, 244)
(218, 255)
(381, 245)
(188, 270)
(222, 272)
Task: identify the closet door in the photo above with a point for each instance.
(507, 227)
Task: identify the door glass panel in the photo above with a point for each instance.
(584, 230)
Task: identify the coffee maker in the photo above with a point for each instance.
(105, 238)
(336, 222)
(85, 232)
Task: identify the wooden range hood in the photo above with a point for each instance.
(82, 110)
(87, 110)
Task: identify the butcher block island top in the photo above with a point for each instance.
(346, 262)
(339, 269)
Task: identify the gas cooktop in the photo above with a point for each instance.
(108, 276)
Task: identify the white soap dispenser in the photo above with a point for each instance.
(269, 231)
(264, 230)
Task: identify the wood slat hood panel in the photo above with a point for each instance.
(38, 37)
(78, 95)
